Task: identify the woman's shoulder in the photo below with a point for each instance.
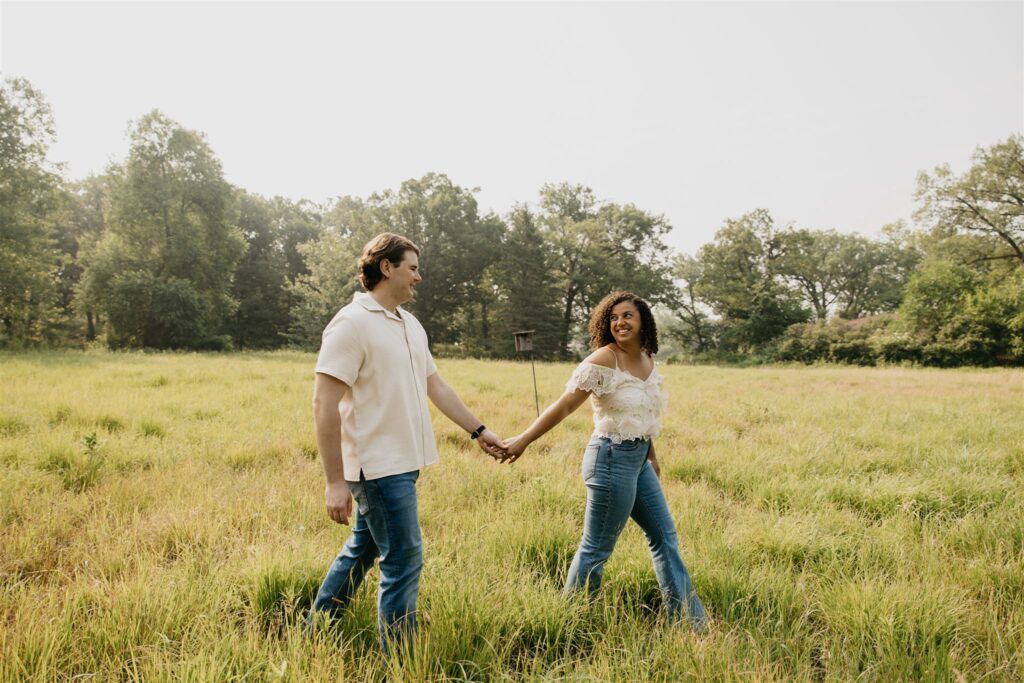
(603, 357)
(595, 374)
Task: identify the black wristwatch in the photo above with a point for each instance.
(477, 432)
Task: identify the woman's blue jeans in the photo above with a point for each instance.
(387, 525)
(621, 484)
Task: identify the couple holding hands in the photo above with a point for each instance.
(374, 374)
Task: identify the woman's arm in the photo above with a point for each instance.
(565, 406)
(654, 461)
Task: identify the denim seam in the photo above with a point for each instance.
(388, 525)
(607, 507)
(650, 513)
(378, 499)
(643, 502)
(584, 471)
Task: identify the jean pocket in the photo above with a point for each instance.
(590, 460)
(359, 495)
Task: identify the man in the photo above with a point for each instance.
(375, 364)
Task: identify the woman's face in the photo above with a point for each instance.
(625, 322)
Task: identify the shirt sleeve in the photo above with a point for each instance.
(431, 366)
(595, 379)
(341, 351)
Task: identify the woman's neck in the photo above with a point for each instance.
(630, 349)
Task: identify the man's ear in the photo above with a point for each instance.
(385, 268)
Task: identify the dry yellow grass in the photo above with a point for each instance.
(162, 519)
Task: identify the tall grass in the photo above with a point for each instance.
(162, 519)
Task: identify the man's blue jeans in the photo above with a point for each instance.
(387, 525)
(621, 484)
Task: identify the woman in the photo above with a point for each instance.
(620, 467)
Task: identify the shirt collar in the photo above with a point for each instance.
(369, 303)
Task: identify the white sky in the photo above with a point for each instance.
(821, 112)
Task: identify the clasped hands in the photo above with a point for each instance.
(502, 450)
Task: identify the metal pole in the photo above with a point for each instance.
(536, 399)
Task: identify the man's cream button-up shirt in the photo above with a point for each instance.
(384, 359)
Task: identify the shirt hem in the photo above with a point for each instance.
(386, 473)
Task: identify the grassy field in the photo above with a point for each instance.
(162, 519)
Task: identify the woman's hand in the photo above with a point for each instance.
(514, 448)
(654, 461)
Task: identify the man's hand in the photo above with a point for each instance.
(514, 448)
(339, 502)
(449, 403)
(491, 444)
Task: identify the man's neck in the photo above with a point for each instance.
(382, 297)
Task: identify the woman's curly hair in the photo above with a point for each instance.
(600, 326)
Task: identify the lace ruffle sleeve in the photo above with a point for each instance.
(662, 394)
(596, 379)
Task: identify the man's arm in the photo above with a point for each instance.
(327, 394)
(449, 403)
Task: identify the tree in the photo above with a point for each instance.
(813, 261)
(988, 200)
(873, 273)
(81, 228)
(695, 328)
(987, 330)
(162, 272)
(594, 249)
(740, 283)
(456, 246)
(527, 289)
(330, 261)
(261, 278)
(298, 223)
(30, 198)
(965, 302)
(441, 218)
(851, 275)
(962, 317)
(276, 231)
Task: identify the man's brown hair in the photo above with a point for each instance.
(386, 245)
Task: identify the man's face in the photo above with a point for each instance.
(403, 278)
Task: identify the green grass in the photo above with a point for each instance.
(161, 518)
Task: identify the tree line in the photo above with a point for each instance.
(160, 251)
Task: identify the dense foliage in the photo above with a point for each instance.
(162, 252)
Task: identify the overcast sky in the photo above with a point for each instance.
(821, 112)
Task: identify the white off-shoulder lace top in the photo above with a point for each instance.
(625, 407)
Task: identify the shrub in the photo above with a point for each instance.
(110, 423)
(836, 341)
(149, 428)
(60, 415)
(11, 426)
(78, 471)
